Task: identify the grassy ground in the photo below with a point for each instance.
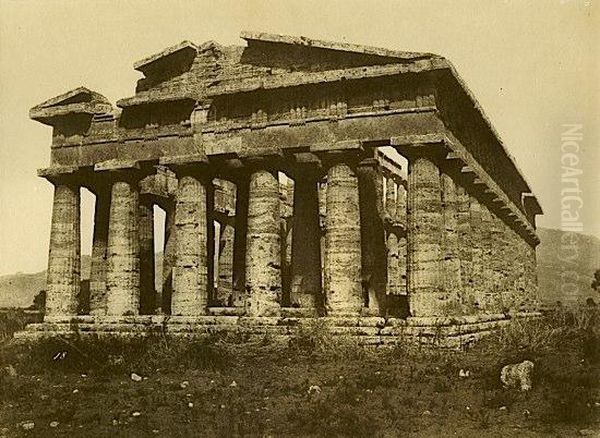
(317, 385)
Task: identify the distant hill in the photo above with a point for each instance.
(550, 267)
(18, 290)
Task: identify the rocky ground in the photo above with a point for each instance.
(317, 385)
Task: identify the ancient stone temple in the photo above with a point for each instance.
(301, 179)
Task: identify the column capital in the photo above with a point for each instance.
(60, 174)
(121, 170)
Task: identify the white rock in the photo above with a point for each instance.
(28, 425)
(10, 370)
(54, 424)
(233, 384)
(314, 389)
(184, 384)
(503, 408)
(136, 377)
(464, 373)
(75, 391)
(518, 375)
(136, 414)
(190, 405)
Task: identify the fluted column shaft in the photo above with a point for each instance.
(392, 264)
(390, 197)
(226, 248)
(463, 224)
(190, 275)
(425, 232)
(64, 261)
(343, 289)
(401, 219)
(99, 256)
(476, 221)
(239, 243)
(306, 251)
(146, 230)
(123, 274)
(263, 245)
(451, 261)
(168, 260)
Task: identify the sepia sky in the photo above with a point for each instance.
(533, 65)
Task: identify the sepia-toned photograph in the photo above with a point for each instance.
(272, 218)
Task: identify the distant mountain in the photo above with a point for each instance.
(565, 274)
(18, 290)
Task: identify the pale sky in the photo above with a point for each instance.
(533, 66)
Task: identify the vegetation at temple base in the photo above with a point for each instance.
(315, 385)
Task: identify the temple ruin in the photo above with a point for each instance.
(301, 179)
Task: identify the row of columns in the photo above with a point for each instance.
(444, 249)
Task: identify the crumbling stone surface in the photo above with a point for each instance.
(123, 274)
(457, 239)
(64, 262)
(343, 290)
(190, 275)
(263, 245)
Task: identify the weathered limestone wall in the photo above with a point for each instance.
(190, 275)
(343, 289)
(99, 255)
(263, 245)
(64, 261)
(123, 274)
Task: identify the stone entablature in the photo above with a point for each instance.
(349, 231)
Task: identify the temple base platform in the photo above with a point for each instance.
(457, 332)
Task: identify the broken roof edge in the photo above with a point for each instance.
(145, 62)
(330, 45)
(56, 101)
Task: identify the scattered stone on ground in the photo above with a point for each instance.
(136, 377)
(184, 384)
(28, 425)
(518, 375)
(54, 424)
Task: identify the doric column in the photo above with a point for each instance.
(64, 260)
(224, 205)
(239, 244)
(263, 243)
(463, 224)
(146, 230)
(190, 275)
(393, 265)
(450, 254)
(306, 251)
(99, 255)
(401, 219)
(476, 241)
(390, 196)
(343, 289)
(374, 273)
(400, 213)
(425, 233)
(486, 255)
(225, 281)
(168, 259)
(123, 274)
